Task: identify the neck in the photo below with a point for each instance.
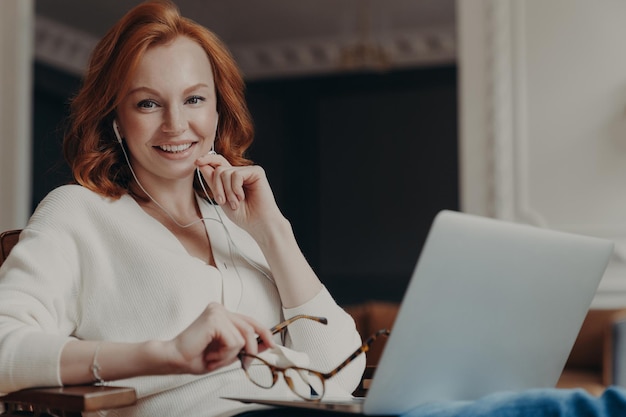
(182, 217)
(176, 205)
(174, 194)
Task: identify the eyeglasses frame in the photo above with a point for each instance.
(323, 376)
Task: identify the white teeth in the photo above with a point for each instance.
(175, 148)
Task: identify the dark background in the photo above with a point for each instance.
(359, 163)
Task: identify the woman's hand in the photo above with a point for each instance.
(247, 199)
(215, 339)
(243, 192)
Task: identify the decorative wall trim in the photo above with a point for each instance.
(68, 50)
(506, 113)
(498, 103)
(62, 47)
(407, 49)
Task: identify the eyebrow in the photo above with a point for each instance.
(153, 91)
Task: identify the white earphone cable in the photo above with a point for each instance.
(251, 262)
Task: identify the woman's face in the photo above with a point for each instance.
(169, 116)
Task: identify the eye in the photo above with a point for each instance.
(147, 104)
(195, 99)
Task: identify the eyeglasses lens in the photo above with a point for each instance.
(261, 375)
(307, 385)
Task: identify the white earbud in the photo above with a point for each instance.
(212, 151)
(116, 129)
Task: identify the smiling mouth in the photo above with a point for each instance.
(175, 148)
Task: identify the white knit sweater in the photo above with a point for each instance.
(98, 269)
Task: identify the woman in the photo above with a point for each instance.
(133, 275)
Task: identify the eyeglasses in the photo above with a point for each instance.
(305, 383)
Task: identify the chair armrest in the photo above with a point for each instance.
(73, 399)
(366, 381)
(615, 353)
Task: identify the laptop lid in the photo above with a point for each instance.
(491, 306)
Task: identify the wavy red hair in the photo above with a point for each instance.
(90, 146)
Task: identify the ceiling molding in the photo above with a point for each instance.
(68, 50)
(62, 47)
(405, 49)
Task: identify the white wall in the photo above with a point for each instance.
(543, 118)
(16, 51)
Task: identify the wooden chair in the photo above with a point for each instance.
(68, 401)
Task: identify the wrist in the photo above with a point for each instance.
(273, 234)
(164, 356)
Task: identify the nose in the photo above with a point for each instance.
(174, 122)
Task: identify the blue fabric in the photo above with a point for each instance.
(532, 403)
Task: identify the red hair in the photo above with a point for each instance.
(90, 146)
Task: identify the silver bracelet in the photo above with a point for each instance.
(95, 367)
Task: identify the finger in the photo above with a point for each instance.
(250, 344)
(237, 181)
(263, 335)
(253, 331)
(251, 347)
(267, 339)
(226, 176)
(242, 338)
(211, 176)
(215, 354)
(212, 159)
(213, 365)
(209, 165)
(224, 348)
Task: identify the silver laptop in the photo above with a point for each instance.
(491, 306)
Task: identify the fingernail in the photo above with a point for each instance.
(220, 199)
(233, 205)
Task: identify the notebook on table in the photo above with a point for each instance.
(491, 306)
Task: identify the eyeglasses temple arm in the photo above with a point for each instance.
(282, 326)
(363, 348)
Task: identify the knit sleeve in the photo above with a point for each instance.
(327, 345)
(36, 312)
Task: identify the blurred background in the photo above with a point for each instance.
(373, 115)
